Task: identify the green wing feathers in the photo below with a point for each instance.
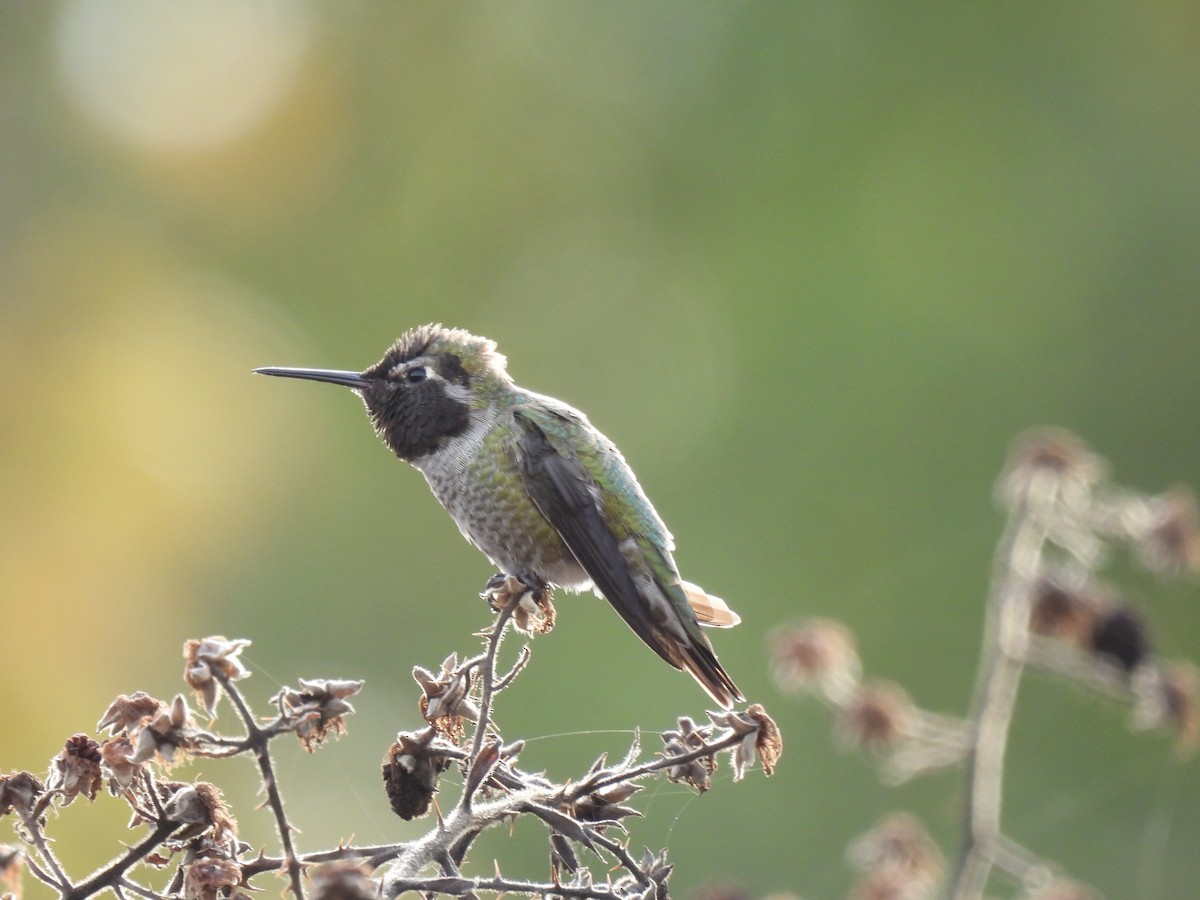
(582, 485)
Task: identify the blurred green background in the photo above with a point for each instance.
(811, 265)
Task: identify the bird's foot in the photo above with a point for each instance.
(534, 613)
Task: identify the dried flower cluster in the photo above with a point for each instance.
(896, 859)
(818, 657)
(1047, 608)
(189, 825)
(579, 814)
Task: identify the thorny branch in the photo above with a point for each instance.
(191, 827)
(258, 741)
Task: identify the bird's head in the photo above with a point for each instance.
(425, 388)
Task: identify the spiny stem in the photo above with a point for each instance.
(258, 740)
(488, 677)
(378, 854)
(126, 885)
(42, 875)
(56, 877)
(732, 739)
(112, 874)
(618, 850)
(519, 666)
(499, 885)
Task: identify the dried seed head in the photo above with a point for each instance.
(769, 742)
(210, 879)
(1165, 697)
(10, 871)
(815, 655)
(761, 738)
(446, 702)
(199, 806)
(1049, 466)
(686, 740)
(128, 711)
(898, 859)
(657, 870)
(76, 770)
(168, 734)
(19, 793)
(1170, 542)
(317, 709)
(878, 718)
(1120, 636)
(411, 768)
(205, 659)
(343, 880)
(1062, 612)
(116, 762)
(605, 805)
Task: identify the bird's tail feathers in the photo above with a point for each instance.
(701, 663)
(710, 610)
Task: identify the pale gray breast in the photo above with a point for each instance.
(482, 489)
(455, 473)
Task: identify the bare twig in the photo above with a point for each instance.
(56, 877)
(1003, 658)
(258, 740)
(112, 874)
(488, 680)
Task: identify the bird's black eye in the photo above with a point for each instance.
(417, 374)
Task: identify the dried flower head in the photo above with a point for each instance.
(761, 739)
(318, 708)
(657, 871)
(205, 660)
(210, 879)
(815, 655)
(898, 859)
(19, 793)
(128, 711)
(446, 697)
(1062, 612)
(10, 871)
(682, 743)
(76, 770)
(1049, 466)
(116, 761)
(199, 806)
(343, 880)
(411, 768)
(605, 805)
(1165, 697)
(1120, 636)
(1170, 542)
(167, 734)
(879, 717)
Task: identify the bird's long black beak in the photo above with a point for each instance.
(352, 380)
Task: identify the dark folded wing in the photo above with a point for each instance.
(563, 490)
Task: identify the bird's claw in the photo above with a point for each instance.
(534, 612)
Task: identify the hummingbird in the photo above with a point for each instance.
(536, 487)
